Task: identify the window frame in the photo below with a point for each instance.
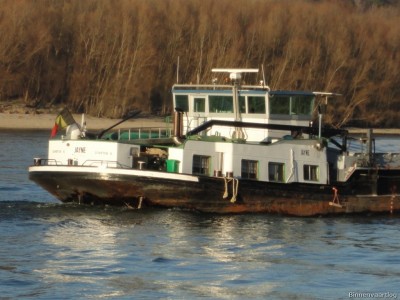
(278, 172)
(182, 99)
(199, 104)
(249, 169)
(255, 102)
(220, 104)
(311, 173)
(201, 164)
(289, 105)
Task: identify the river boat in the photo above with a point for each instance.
(232, 148)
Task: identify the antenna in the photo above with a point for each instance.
(263, 74)
(177, 71)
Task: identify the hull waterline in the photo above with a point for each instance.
(138, 189)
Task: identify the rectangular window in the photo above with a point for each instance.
(256, 105)
(249, 169)
(291, 105)
(279, 105)
(302, 105)
(220, 104)
(182, 102)
(201, 165)
(276, 171)
(311, 173)
(199, 105)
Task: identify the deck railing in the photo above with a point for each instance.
(144, 133)
(87, 163)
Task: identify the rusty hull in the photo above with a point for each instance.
(207, 195)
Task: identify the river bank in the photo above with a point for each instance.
(46, 121)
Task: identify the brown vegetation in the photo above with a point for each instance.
(106, 57)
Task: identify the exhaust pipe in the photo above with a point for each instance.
(178, 126)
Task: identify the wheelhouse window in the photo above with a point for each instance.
(301, 105)
(199, 105)
(279, 105)
(249, 169)
(182, 102)
(276, 171)
(256, 105)
(220, 104)
(201, 165)
(291, 105)
(311, 173)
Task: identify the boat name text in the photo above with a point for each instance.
(80, 149)
(305, 152)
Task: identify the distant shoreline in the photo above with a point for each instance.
(20, 121)
(376, 131)
(46, 121)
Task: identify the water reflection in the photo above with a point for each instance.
(228, 249)
(97, 252)
(83, 249)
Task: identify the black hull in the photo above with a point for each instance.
(213, 194)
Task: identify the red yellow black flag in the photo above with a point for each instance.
(63, 119)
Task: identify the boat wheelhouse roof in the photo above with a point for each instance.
(218, 89)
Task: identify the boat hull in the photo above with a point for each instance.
(140, 188)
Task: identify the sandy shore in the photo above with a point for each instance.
(46, 121)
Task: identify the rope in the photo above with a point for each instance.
(226, 180)
(140, 202)
(235, 188)
(335, 201)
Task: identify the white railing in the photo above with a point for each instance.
(144, 133)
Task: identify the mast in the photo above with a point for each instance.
(235, 75)
(322, 108)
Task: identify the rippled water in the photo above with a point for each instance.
(50, 250)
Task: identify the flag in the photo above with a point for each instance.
(63, 119)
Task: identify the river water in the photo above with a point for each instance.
(50, 250)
